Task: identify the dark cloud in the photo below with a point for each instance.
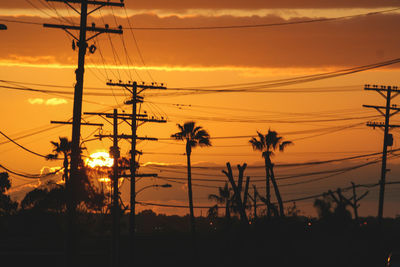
(229, 4)
(348, 42)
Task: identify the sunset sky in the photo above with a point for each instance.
(325, 119)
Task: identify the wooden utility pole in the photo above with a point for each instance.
(77, 109)
(133, 87)
(387, 138)
(114, 151)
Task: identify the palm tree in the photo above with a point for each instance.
(62, 148)
(267, 145)
(193, 136)
(224, 197)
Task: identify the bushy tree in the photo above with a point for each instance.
(7, 206)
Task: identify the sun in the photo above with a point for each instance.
(99, 159)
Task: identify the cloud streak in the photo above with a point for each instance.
(48, 102)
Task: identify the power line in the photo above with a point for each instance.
(332, 172)
(137, 45)
(263, 204)
(24, 148)
(256, 120)
(21, 21)
(257, 86)
(31, 176)
(285, 165)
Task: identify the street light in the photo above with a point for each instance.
(153, 185)
(3, 27)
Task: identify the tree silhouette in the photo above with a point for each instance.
(7, 206)
(240, 203)
(224, 197)
(267, 145)
(85, 194)
(50, 198)
(332, 209)
(193, 136)
(62, 148)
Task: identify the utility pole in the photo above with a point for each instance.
(133, 87)
(132, 120)
(385, 92)
(114, 151)
(77, 109)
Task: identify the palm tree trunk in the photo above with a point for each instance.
(190, 194)
(278, 195)
(268, 189)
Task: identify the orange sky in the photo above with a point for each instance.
(33, 54)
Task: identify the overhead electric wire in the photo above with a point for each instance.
(177, 182)
(40, 10)
(255, 120)
(129, 60)
(21, 146)
(257, 86)
(331, 173)
(21, 21)
(285, 165)
(48, 128)
(31, 176)
(53, 85)
(327, 113)
(52, 7)
(144, 203)
(56, 91)
(137, 45)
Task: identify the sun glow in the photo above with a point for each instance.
(99, 159)
(104, 180)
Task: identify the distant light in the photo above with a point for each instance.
(309, 223)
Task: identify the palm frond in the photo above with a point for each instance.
(262, 137)
(284, 144)
(256, 144)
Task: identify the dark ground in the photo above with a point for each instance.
(38, 240)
